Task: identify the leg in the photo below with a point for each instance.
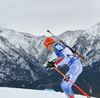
(66, 87)
(72, 74)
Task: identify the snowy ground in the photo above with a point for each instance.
(26, 93)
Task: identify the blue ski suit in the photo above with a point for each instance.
(66, 56)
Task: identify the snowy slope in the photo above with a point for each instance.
(23, 93)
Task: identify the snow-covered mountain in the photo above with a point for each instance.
(16, 61)
(23, 56)
(86, 42)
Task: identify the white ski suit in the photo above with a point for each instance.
(66, 56)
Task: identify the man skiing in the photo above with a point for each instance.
(65, 56)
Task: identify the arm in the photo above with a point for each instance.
(62, 55)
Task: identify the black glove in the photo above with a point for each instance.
(51, 64)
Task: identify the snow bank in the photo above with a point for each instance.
(26, 93)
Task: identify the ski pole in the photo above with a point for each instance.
(72, 82)
(67, 46)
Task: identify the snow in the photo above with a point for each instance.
(27, 93)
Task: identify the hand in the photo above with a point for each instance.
(51, 64)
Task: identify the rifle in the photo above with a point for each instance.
(67, 46)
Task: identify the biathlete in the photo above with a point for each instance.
(67, 57)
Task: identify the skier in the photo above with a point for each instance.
(65, 56)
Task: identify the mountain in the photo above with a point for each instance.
(16, 62)
(23, 59)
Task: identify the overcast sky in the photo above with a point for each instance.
(38, 16)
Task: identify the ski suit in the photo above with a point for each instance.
(66, 56)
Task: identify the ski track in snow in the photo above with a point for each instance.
(27, 93)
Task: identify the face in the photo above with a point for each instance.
(49, 47)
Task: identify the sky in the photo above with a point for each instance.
(38, 16)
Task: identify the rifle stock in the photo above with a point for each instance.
(72, 49)
(67, 46)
